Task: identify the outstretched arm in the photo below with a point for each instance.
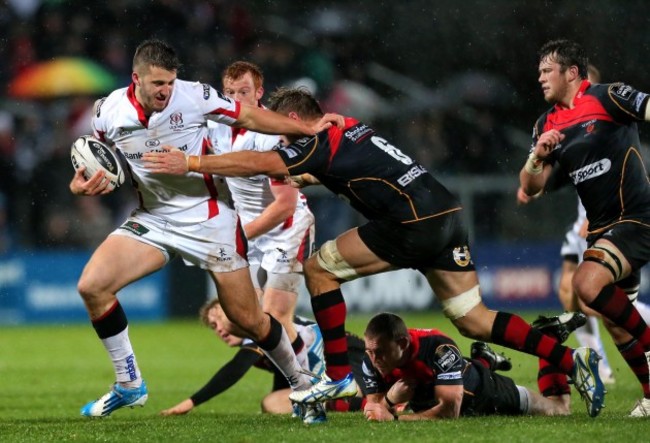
(234, 164)
(265, 121)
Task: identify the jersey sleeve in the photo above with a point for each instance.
(98, 123)
(304, 156)
(448, 364)
(625, 103)
(216, 106)
(373, 381)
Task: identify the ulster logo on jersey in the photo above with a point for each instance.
(176, 121)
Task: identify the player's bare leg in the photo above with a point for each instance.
(118, 261)
(345, 258)
(460, 297)
(241, 305)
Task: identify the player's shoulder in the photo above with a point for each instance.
(200, 90)
(109, 103)
(109, 108)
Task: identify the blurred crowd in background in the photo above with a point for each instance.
(453, 85)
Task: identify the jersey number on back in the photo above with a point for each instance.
(391, 150)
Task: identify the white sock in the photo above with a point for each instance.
(126, 368)
(286, 361)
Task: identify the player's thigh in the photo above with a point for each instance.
(357, 254)
(118, 261)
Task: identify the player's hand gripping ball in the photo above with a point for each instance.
(95, 155)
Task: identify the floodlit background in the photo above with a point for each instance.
(453, 83)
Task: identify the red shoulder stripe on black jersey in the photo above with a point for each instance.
(334, 135)
(588, 109)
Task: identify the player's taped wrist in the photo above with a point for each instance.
(534, 165)
(193, 163)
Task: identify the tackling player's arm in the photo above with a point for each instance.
(266, 121)
(277, 212)
(234, 164)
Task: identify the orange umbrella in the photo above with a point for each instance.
(61, 77)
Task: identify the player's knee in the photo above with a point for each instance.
(584, 288)
(90, 286)
(315, 276)
(331, 262)
(460, 305)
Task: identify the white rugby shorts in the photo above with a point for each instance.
(216, 244)
(282, 250)
(573, 244)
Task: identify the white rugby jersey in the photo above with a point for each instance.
(119, 120)
(251, 194)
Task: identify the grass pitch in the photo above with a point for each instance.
(48, 372)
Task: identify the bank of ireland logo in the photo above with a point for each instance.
(462, 257)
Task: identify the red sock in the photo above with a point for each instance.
(613, 303)
(513, 332)
(635, 358)
(330, 311)
(551, 381)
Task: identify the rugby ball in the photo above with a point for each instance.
(96, 155)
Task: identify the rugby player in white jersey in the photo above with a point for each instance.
(274, 215)
(176, 216)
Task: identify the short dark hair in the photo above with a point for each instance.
(155, 52)
(567, 53)
(387, 325)
(239, 68)
(299, 100)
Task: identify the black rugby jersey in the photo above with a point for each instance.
(600, 152)
(375, 177)
(435, 360)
